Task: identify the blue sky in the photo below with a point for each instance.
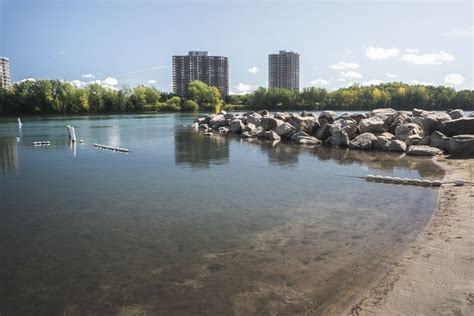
(339, 42)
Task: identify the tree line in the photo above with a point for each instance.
(396, 95)
(61, 97)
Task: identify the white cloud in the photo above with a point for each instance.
(151, 82)
(319, 82)
(254, 70)
(149, 69)
(372, 82)
(244, 88)
(109, 81)
(392, 76)
(351, 74)
(342, 65)
(341, 80)
(26, 79)
(88, 76)
(454, 79)
(381, 53)
(78, 83)
(467, 32)
(428, 59)
(412, 50)
(422, 83)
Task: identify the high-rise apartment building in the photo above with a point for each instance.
(284, 70)
(4, 72)
(197, 65)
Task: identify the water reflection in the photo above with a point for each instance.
(8, 155)
(198, 150)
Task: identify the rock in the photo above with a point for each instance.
(249, 127)
(204, 127)
(285, 130)
(363, 141)
(383, 139)
(304, 138)
(455, 114)
(200, 120)
(236, 126)
(308, 140)
(223, 130)
(195, 125)
(471, 114)
(305, 124)
(229, 116)
(327, 117)
(419, 112)
(246, 135)
(342, 131)
(439, 140)
(357, 117)
(422, 150)
(260, 132)
(223, 112)
(263, 112)
(433, 121)
(374, 124)
(324, 132)
(386, 114)
(417, 140)
(271, 135)
(253, 117)
(405, 130)
(462, 145)
(395, 145)
(215, 119)
(306, 113)
(270, 123)
(399, 119)
(283, 116)
(459, 126)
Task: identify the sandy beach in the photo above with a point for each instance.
(435, 276)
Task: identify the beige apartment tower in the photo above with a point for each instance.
(284, 70)
(4, 72)
(197, 65)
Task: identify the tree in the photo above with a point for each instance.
(190, 106)
(208, 98)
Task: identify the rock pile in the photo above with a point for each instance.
(416, 132)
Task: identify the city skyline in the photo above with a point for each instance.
(92, 44)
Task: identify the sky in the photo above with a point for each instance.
(127, 42)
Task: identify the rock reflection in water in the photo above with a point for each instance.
(198, 150)
(8, 155)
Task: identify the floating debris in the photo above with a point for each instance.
(119, 149)
(42, 143)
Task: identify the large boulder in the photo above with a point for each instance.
(283, 116)
(387, 115)
(395, 145)
(323, 132)
(236, 126)
(270, 123)
(419, 112)
(439, 140)
(422, 150)
(455, 114)
(462, 145)
(399, 119)
(253, 118)
(433, 121)
(405, 130)
(271, 135)
(373, 124)
(342, 131)
(249, 127)
(216, 118)
(417, 140)
(285, 130)
(303, 123)
(459, 126)
(304, 139)
(382, 140)
(327, 117)
(363, 141)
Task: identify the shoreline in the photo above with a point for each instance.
(434, 275)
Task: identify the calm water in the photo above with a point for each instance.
(188, 224)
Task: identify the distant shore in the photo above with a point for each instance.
(435, 275)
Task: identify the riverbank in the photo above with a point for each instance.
(435, 275)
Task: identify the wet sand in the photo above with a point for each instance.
(435, 276)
